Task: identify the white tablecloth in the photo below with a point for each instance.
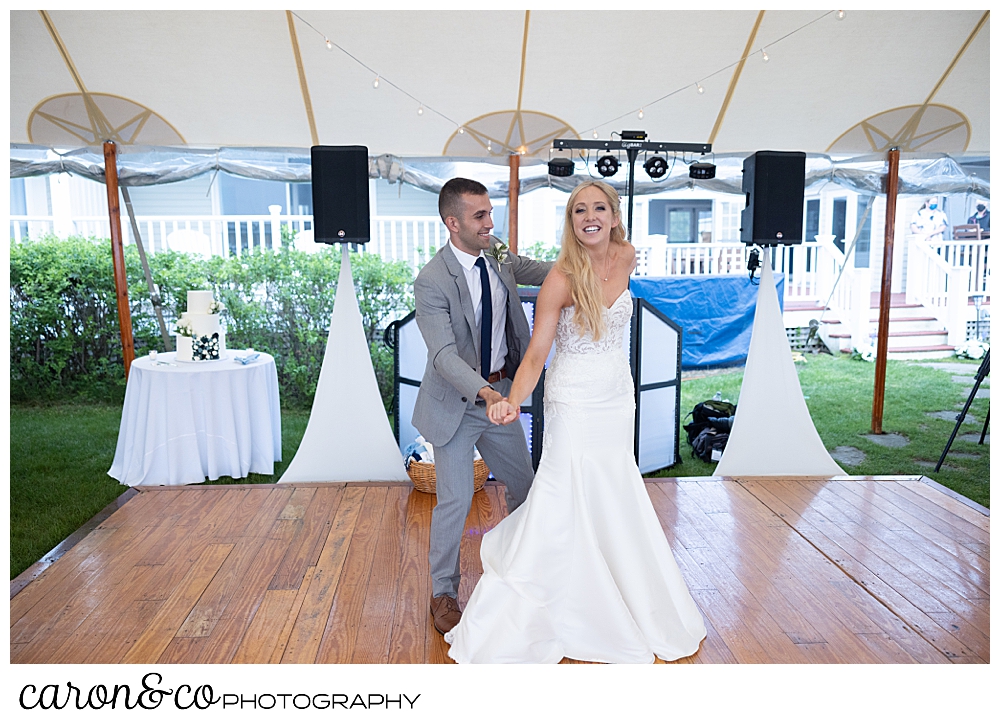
(185, 422)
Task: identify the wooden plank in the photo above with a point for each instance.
(341, 629)
(375, 626)
(315, 526)
(65, 608)
(247, 539)
(265, 628)
(736, 569)
(238, 611)
(182, 651)
(861, 600)
(962, 547)
(972, 636)
(286, 630)
(162, 628)
(942, 509)
(470, 563)
(940, 500)
(857, 563)
(950, 592)
(408, 638)
(743, 613)
(118, 641)
(735, 636)
(310, 623)
(105, 619)
(243, 506)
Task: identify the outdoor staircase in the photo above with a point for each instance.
(914, 333)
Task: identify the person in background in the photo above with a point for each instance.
(982, 219)
(930, 221)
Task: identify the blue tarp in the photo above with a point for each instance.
(715, 312)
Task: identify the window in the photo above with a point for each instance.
(684, 222)
(812, 220)
(839, 229)
(863, 249)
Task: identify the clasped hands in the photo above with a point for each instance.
(503, 413)
(499, 410)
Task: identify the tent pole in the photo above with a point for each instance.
(154, 294)
(513, 190)
(118, 253)
(885, 296)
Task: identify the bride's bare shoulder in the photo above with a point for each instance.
(556, 290)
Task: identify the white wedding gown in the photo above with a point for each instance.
(581, 569)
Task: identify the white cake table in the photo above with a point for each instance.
(183, 422)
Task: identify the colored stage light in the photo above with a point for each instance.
(655, 166)
(701, 170)
(607, 166)
(560, 167)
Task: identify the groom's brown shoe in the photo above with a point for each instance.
(446, 613)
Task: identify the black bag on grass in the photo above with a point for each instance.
(709, 444)
(709, 413)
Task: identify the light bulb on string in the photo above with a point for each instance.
(641, 114)
(764, 56)
(375, 82)
(700, 89)
(841, 14)
(420, 111)
(595, 133)
(329, 44)
(461, 129)
(489, 146)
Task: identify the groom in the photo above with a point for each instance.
(472, 322)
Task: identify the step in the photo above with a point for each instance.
(892, 335)
(906, 319)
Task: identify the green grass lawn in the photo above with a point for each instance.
(60, 454)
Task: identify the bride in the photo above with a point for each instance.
(582, 568)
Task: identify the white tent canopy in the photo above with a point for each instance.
(267, 78)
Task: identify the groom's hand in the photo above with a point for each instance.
(489, 396)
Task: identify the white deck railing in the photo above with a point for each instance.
(936, 275)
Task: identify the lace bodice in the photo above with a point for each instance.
(616, 318)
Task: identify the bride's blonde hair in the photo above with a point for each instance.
(574, 262)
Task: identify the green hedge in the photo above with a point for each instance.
(64, 337)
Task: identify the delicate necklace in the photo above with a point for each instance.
(607, 265)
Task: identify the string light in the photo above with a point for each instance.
(641, 114)
(420, 111)
(700, 89)
(841, 14)
(329, 45)
(763, 56)
(461, 129)
(375, 82)
(489, 146)
(595, 133)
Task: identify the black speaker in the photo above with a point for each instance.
(340, 194)
(774, 182)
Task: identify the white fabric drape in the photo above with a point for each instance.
(348, 438)
(773, 433)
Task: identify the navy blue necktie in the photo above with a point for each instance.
(486, 323)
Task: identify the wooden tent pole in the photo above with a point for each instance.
(885, 296)
(118, 253)
(513, 191)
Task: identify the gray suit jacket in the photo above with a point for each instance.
(447, 320)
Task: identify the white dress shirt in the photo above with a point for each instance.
(499, 295)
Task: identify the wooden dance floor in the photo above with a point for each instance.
(785, 570)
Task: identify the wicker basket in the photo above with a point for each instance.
(424, 479)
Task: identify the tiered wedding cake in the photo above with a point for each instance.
(200, 335)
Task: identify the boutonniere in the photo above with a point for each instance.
(500, 252)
